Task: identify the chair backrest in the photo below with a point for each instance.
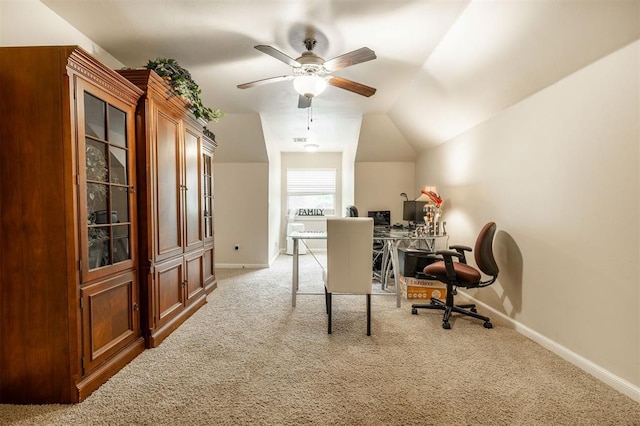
(351, 211)
(483, 250)
(349, 242)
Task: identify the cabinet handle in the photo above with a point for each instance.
(135, 307)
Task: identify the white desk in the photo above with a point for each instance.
(296, 236)
(392, 240)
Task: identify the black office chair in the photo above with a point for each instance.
(459, 274)
(351, 211)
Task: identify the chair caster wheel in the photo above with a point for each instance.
(488, 325)
(446, 326)
(414, 311)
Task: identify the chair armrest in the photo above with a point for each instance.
(458, 247)
(447, 256)
(461, 249)
(450, 254)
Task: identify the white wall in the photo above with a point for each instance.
(378, 187)
(380, 138)
(31, 23)
(559, 173)
(348, 174)
(241, 139)
(241, 215)
(275, 207)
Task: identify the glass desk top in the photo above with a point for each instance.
(378, 234)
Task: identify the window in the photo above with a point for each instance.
(311, 189)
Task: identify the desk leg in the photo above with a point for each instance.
(383, 266)
(396, 270)
(389, 262)
(294, 278)
(431, 243)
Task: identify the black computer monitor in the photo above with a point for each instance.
(412, 211)
(381, 217)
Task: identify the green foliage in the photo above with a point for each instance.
(184, 86)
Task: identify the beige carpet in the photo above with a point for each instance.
(248, 357)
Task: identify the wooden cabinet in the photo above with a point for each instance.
(69, 291)
(176, 231)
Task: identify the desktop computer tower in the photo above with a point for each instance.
(411, 261)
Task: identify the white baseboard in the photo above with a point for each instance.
(275, 256)
(605, 376)
(241, 265)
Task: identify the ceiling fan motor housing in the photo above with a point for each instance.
(309, 58)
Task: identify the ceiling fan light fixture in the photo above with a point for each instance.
(309, 85)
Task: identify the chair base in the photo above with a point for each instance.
(466, 309)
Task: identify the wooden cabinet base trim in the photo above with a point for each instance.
(157, 336)
(101, 374)
(210, 286)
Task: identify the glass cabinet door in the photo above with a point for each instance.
(105, 163)
(207, 193)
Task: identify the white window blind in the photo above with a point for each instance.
(311, 190)
(311, 181)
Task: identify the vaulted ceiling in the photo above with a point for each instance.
(442, 67)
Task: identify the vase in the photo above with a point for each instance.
(432, 215)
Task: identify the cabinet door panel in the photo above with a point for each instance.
(167, 188)
(110, 317)
(168, 291)
(192, 175)
(195, 271)
(209, 264)
(209, 269)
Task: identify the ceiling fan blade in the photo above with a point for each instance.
(304, 102)
(265, 81)
(363, 54)
(272, 51)
(351, 86)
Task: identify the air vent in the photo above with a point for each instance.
(300, 140)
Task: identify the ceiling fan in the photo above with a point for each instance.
(311, 73)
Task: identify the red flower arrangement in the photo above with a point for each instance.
(434, 197)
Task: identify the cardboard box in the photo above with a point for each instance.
(415, 289)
